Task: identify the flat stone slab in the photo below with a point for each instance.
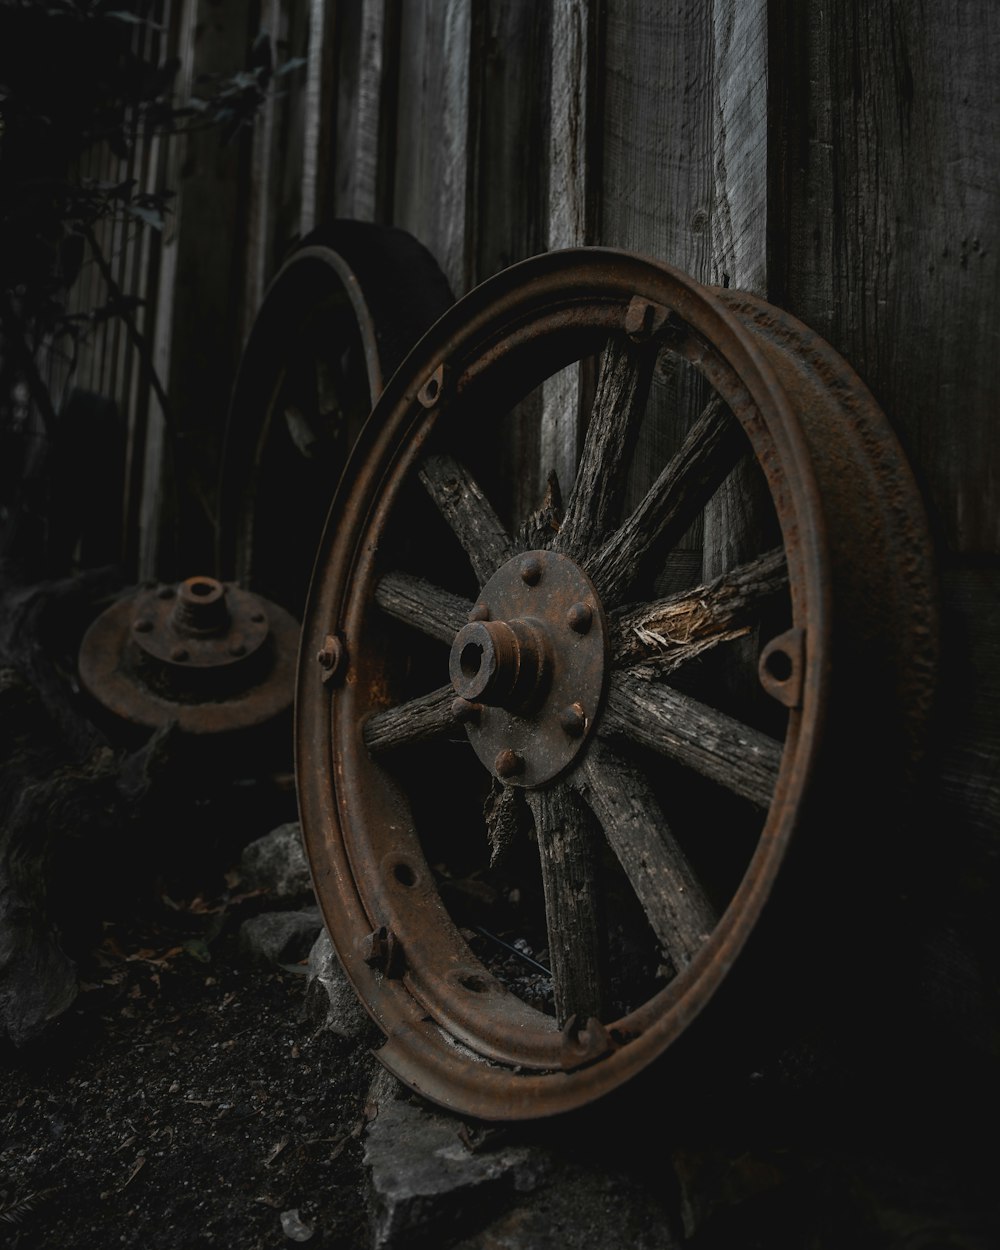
(427, 1186)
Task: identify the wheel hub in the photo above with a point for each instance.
(528, 669)
(203, 653)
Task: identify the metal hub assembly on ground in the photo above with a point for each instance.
(338, 318)
(550, 757)
(205, 654)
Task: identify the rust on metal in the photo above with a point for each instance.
(539, 652)
(780, 667)
(432, 390)
(203, 653)
(524, 680)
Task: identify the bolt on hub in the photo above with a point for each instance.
(528, 671)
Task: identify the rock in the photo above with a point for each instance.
(293, 1226)
(578, 1208)
(277, 863)
(282, 937)
(427, 1186)
(330, 997)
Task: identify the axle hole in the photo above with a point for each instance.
(476, 984)
(779, 665)
(404, 874)
(471, 659)
(201, 588)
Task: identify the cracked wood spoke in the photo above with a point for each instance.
(595, 503)
(712, 447)
(506, 820)
(539, 528)
(742, 759)
(469, 513)
(670, 631)
(568, 847)
(414, 601)
(413, 721)
(675, 904)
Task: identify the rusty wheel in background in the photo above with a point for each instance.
(340, 315)
(547, 772)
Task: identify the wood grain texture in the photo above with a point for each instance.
(681, 916)
(432, 131)
(507, 819)
(573, 161)
(734, 516)
(414, 721)
(541, 525)
(318, 151)
(715, 745)
(509, 133)
(469, 513)
(711, 448)
(892, 195)
(507, 205)
(568, 846)
(595, 505)
(709, 613)
(739, 145)
(410, 599)
(365, 37)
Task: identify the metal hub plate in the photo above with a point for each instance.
(528, 670)
(203, 653)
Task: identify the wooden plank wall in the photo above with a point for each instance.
(840, 157)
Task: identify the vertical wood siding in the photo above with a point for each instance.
(841, 158)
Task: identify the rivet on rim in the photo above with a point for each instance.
(643, 318)
(381, 950)
(332, 658)
(531, 571)
(582, 1044)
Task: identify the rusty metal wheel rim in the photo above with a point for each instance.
(452, 1032)
(335, 321)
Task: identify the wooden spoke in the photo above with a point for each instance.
(596, 501)
(675, 904)
(413, 721)
(540, 528)
(506, 819)
(568, 846)
(742, 759)
(713, 445)
(667, 633)
(414, 601)
(469, 513)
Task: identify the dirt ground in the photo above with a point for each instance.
(190, 1098)
(185, 1100)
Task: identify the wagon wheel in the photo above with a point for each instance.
(334, 324)
(520, 753)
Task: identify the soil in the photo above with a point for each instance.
(187, 1099)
